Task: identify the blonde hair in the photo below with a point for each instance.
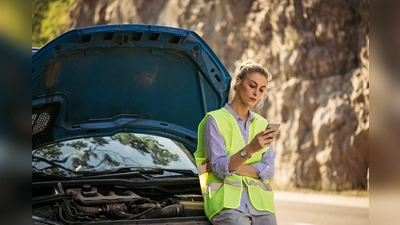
(248, 67)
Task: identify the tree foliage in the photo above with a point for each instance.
(50, 18)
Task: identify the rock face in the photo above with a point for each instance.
(318, 53)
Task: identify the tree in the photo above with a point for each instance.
(50, 18)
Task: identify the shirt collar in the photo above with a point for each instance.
(230, 110)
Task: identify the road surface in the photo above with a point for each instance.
(318, 209)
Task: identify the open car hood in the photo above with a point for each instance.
(140, 78)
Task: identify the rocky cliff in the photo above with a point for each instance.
(318, 52)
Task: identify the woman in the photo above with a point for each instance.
(235, 157)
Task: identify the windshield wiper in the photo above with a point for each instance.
(112, 174)
(181, 171)
(152, 170)
(124, 172)
(129, 172)
(90, 175)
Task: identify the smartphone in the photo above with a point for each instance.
(273, 126)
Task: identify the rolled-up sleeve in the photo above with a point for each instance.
(215, 146)
(266, 167)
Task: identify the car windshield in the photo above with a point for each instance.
(110, 153)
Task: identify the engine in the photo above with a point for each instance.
(80, 205)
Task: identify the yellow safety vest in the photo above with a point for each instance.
(226, 193)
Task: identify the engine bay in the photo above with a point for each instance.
(97, 203)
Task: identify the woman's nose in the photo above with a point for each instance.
(255, 92)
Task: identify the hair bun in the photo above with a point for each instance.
(245, 63)
(249, 67)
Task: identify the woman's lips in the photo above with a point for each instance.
(253, 99)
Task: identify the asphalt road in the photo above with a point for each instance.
(318, 209)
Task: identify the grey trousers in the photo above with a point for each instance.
(235, 217)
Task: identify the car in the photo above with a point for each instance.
(34, 50)
(115, 113)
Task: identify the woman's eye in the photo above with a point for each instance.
(252, 86)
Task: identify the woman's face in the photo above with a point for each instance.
(251, 88)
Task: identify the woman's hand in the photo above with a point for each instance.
(208, 164)
(260, 141)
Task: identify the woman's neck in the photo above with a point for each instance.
(241, 110)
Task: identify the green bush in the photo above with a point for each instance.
(50, 18)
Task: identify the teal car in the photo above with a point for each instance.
(115, 111)
(34, 50)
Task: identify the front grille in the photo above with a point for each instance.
(39, 122)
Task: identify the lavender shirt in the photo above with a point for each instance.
(216, 152)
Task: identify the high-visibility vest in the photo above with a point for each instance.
(219, 194)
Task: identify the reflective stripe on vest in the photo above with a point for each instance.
(264, 186)
(217, 186)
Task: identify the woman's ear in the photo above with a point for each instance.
(238, 80)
